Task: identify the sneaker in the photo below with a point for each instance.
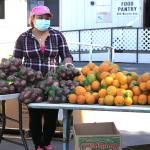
(39, 148)
(49, 147)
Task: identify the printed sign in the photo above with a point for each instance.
(40, 3)
(127, 7)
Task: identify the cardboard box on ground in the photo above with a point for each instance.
(12, 111)
(97, 136)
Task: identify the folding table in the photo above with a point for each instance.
(3, 117)
(67, 108)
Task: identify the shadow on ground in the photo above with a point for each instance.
(132, 140)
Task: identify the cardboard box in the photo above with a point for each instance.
(12, 111)
(97, 136)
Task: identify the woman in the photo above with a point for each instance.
(41, 47)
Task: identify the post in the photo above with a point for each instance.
(90, 53)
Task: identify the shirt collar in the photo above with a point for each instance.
(29, 32)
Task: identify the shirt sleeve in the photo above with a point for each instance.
(64, 51)
(18, 50)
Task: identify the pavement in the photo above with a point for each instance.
(134, 127)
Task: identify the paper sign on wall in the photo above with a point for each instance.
(127, 7)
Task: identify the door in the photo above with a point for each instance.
(146, 13)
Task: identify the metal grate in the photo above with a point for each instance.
(125, 39)
(72, 36)
(144, 40)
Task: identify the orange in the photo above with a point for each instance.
(95, 94)
(112, 90)
(101, 101)
(148, 99)
(109, 100)
(108, 80)
(80, 78)
(134, 75)
(95, 85)
(124, 86)
(119, 100)
(135, 99)
(116, 83)
(122, 79)
(103, 83)
(128, 101)
(72, 98)
(148, 85)
(119, 75)
(79, 90)
(95, 69)
(136, 90)
(145, 77)
(142, 86)
(102, 93)
(133, 83)
(129, 79)
(104, 74)
(88, 88)
(90, 99)
(114, 68)
(113, 75)
(104, 67)
(129, 93)
(120, 92)
(81, 99)
(142, 99)
(91, 66)
(85, 70)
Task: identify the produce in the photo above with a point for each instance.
(104, 84)
(111, 86)
(29, 95)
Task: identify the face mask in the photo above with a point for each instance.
(42, 24)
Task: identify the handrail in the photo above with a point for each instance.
(111, 50)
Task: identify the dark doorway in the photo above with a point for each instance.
(52, 4)
(2, 9)
(146, 13)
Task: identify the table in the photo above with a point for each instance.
(3, 99)
(67, 109)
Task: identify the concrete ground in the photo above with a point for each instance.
(128, 139)
(134, 127)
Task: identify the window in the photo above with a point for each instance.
(52, 4)
(2, 9)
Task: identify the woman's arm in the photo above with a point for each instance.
(18, 50)
(64, 51)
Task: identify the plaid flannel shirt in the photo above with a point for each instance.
(27, 47)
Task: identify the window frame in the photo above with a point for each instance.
(32, 4)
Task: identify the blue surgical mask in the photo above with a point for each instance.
(42, 24)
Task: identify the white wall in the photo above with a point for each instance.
(72, 14)
(14, 24)
(80, 14)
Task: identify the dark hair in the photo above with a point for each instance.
(31, 21)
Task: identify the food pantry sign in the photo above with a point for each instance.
(127, 7)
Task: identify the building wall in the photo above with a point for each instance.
(14, 23)
(74, 14)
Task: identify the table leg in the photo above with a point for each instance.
(66, 128)
(3, 116)
(20, 126)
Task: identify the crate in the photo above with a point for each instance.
(97, 136)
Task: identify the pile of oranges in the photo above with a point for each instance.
(107, 85)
